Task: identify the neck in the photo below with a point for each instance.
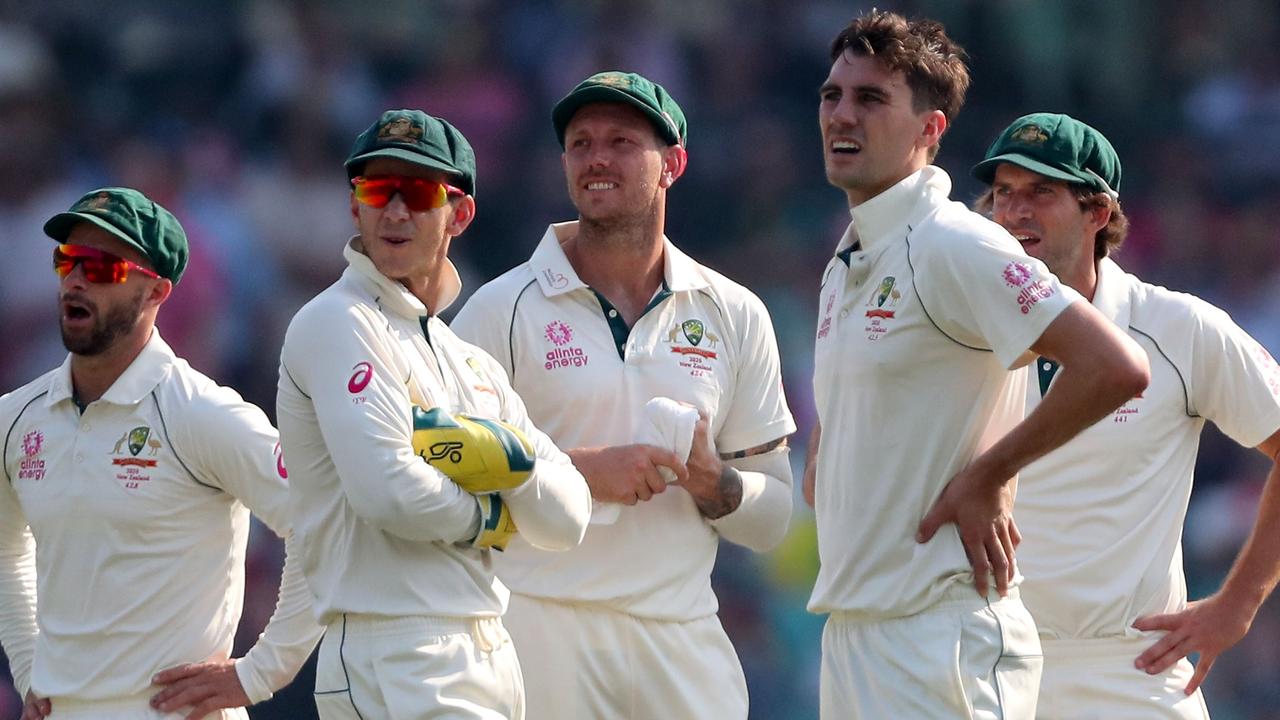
(93, 375)
(1084, 281)
(623, 262)
(857, 196)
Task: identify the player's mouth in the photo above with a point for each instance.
(600, 186)
(396, 239)
(1026, 240)
(77, 311)
(845, 147)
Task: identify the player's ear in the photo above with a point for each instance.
(159, 292)
(355, 211)
(674, 161)
(463, 211)
(935, 124)
(1097, 215)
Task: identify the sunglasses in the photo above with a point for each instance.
(99, 266)
(419, 194)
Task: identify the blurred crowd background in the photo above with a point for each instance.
(237, 115)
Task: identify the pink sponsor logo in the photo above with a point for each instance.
(32, 443)
(1016, 274)
(1034, 293)
(825, 327)
(361, 374)
(32, 467)
(559, 333)
(280, 468)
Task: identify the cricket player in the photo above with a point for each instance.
(923, 311)
(1102, 515)
(606, 315)
(136, 475)
(411, 458)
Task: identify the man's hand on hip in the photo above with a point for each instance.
(204, 687)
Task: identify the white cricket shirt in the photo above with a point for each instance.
(586, 377)
(916, 332)
(385, 533)
(140, 512)
(1101, 517)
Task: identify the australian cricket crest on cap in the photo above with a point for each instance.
(880, 307)
(400, 129)
(98, 202)
(1030, 135)
(32, 466)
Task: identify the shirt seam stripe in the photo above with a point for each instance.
(173, 446)
(1186, 392)
(916, 289)
(511, 329)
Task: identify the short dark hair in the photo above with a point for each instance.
(934, 64)
(1109, 237)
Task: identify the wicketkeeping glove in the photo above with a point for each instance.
(478, 454)
(496, 524)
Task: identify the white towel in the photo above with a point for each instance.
(666, 424)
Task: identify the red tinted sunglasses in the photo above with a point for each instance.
(419, 194)
(99, 266)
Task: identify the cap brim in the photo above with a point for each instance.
(408, 156)
(986, 170)
(573, 102)
(59, 228)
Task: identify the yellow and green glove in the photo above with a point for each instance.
(479, 454)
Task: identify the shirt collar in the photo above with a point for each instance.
(556, 276)
(392, 294)
(140, 378)
(1111, 296)
(889, 214)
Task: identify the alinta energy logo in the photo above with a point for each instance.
(560, 334)
(1018, 275)
(32, 467)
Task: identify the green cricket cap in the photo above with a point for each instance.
(138, 221)
(418, 138)
(637, 91)
(1056, 146)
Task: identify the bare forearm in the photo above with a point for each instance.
(1256, 570)
(1069, 407)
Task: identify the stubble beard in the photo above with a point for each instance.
(118, 322)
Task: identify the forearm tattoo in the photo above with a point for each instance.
(728, 496)
(757, 450)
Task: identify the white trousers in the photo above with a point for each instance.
(1096, 680)
(137, 707)
(583, 662)
(415, 668)
(965, 657)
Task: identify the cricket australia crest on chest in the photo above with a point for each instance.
(696, 347)
(881, 309)
(135, 455)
